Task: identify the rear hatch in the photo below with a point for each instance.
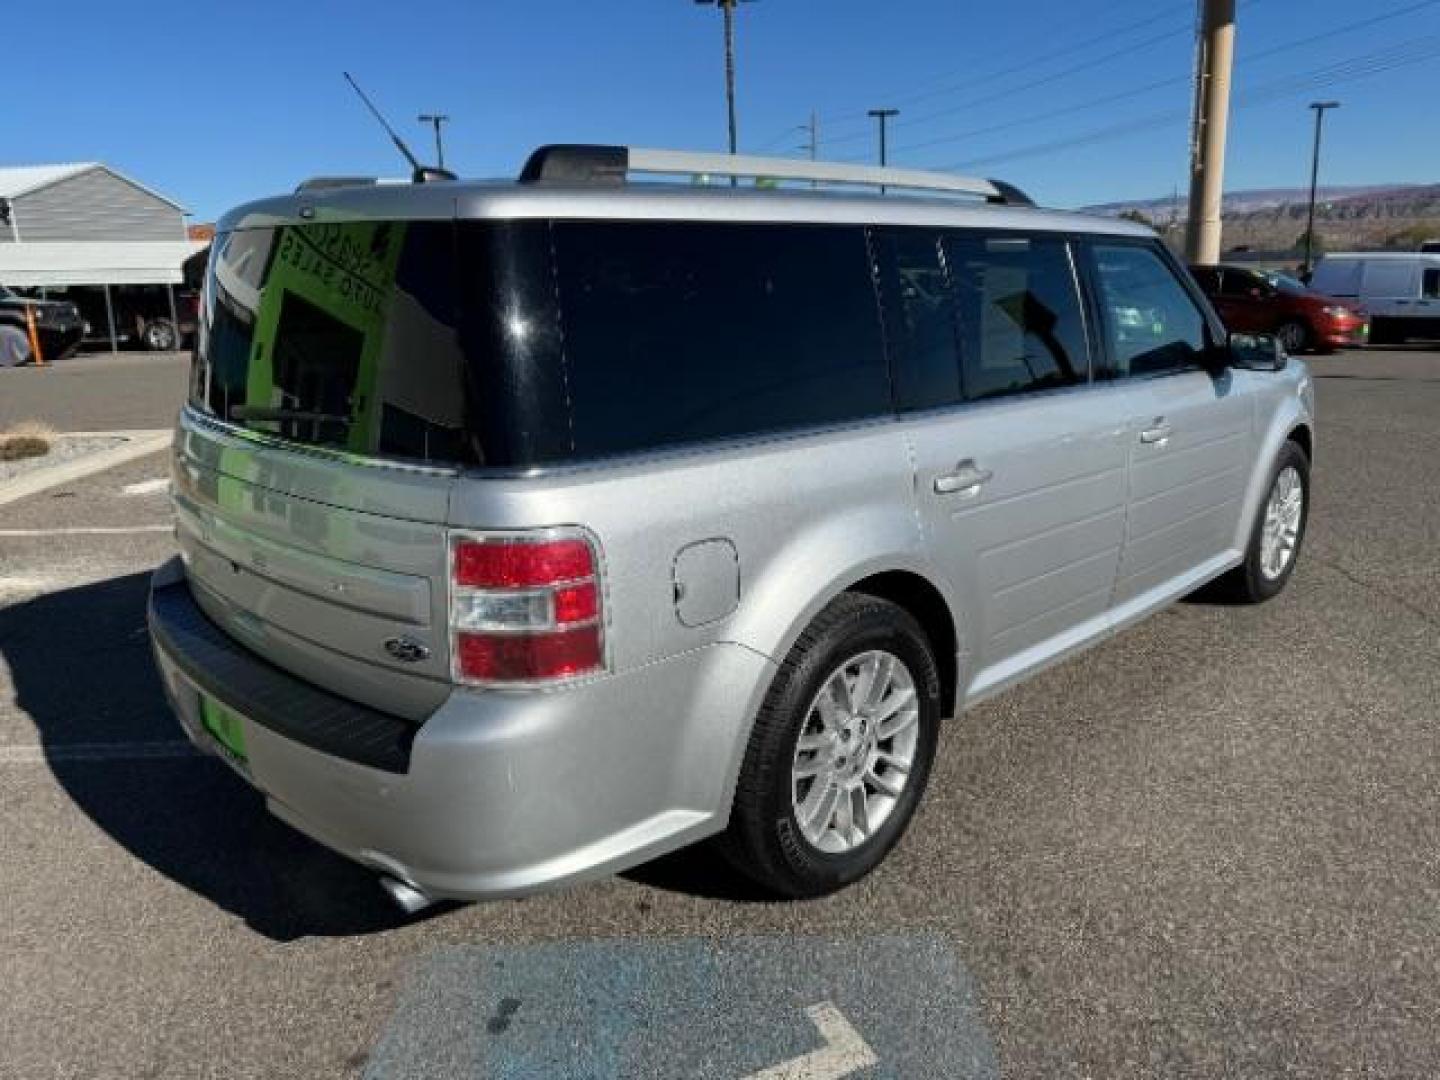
(325, 426)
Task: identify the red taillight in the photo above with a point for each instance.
(490, 564)
(495, 658)
(524, 608)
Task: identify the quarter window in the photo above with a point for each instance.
(1153, 324)
(919, 318)
(1021, 327)
(680, 332)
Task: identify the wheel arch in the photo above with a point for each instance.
(918, 596)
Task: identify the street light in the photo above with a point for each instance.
(727, 8)
(1319, 107)
(436, 119)
(882, 115)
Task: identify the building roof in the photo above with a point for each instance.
(95, 262)
(17, 180)
(21, 179)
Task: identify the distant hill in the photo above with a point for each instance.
(1273, 219)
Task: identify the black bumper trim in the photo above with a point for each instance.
(257, 689)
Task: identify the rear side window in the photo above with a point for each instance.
(1430, 287)
(1020, 319)
(680, 332)
(1152, 323)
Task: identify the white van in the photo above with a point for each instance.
(1401, 290)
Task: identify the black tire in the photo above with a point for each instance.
(159, 336)
(1295, 336)
(1248, 583)
(765, 841)
(1385, 332)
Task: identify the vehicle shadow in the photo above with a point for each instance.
(81, 667)
(700, 871)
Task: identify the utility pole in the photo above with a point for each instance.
(436, 119)
(812, 142)
(1319, 107)
(1215, 56)
(727, 8)
(814, 128)
(883, 115)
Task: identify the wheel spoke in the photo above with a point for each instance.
(894, 703)
(819, 806)
(883, 783)
(812, 742)
(860, 813)
(898, 724)
(815, 766)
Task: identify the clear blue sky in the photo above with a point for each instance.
(215, 104)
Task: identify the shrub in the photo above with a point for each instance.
(29, 439)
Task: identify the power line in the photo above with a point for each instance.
(1123, 95)
(860, 118)
(1064, 73)
(1353, 69)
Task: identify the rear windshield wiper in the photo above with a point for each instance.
(269, 412)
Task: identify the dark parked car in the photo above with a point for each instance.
(58, 328)
(142, 315)
(1258, 301)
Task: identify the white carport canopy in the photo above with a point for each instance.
(49, 264)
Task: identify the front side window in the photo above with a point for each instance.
(1021, 326)
(679, 332)
(1152, 324)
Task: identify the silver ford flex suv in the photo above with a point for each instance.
(530, 530)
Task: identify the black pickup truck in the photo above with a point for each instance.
(58, 328)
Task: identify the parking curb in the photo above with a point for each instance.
(137, 444)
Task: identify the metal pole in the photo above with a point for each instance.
(728, 7)
(110, 321)
(1214, 62)
(435, 120)
(174, 319)
(1319, 107)
(883, 115)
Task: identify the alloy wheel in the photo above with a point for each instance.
(856, 752)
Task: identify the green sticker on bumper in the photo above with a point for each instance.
(228, 729)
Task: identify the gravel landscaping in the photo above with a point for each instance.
(67, 448)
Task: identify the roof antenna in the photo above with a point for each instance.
(420, 174)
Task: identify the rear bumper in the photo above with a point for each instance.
(502, 793)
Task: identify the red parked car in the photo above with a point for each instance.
(1269, 302)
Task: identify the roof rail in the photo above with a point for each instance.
(581, 164)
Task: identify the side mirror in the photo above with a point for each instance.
(1258, 352)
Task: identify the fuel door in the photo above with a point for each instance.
(706, 581)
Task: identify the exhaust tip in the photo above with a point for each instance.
(407, 898)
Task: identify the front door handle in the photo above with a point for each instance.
(967, 479)
(1157, 434)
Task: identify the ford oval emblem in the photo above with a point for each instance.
(407, 650)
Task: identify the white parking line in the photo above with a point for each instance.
(60, 754)
(146, 487)
(89, 530)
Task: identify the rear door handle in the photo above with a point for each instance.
(1158, 434)
(966, 479)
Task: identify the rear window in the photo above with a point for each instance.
(528, 342)
(343, 336)
(677, 332)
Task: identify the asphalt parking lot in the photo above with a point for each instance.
(1210, 847)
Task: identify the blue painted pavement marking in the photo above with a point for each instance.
(722, 1009)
